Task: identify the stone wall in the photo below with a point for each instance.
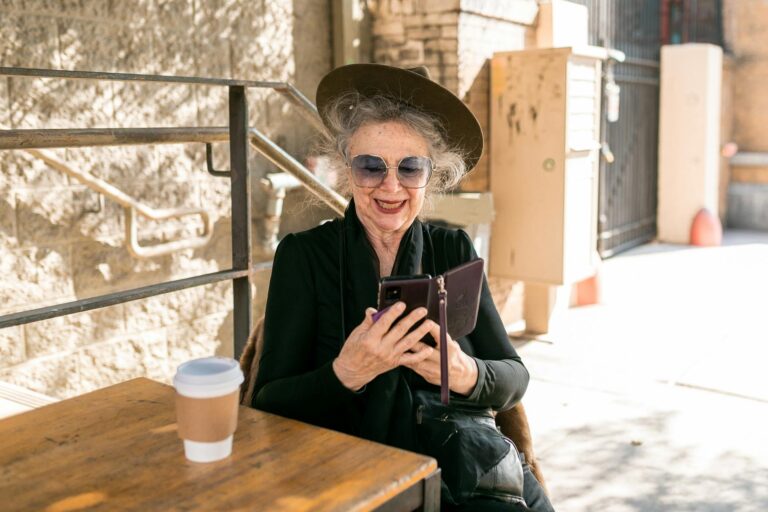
(455, 39)
(61, 241)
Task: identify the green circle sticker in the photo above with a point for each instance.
(549, 164)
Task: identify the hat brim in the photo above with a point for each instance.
(462, 129)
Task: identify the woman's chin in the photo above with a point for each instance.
(392, 223)
(389, 219)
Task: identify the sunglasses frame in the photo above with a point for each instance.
(388, 167)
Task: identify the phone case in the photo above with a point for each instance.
(414, 291)
(462, 285)
(452, 300)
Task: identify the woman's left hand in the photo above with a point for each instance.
(462, 369)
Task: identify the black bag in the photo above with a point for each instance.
(467, 445)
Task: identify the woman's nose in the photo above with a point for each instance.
(391, 183)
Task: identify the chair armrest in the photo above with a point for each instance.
(514, 424)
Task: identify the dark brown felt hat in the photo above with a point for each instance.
(414, 87)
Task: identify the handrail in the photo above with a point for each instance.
(111, 299)
(30, 140)
(132, 207)
(240, 138)
(136, 77)
(287, 163)
(307, 109)
(92, 137)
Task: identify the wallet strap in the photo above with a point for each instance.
(442, 295)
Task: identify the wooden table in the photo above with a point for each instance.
(117, 449)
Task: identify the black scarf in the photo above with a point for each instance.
(386, 409)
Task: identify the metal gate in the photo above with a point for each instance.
(628, 168)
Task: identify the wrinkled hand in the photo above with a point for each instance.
(374, 348)
(462, 369)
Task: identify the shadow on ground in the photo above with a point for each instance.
(631, 465)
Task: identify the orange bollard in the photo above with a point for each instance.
(706, 230)
(588, 291)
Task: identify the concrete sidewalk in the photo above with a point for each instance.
(657, 399)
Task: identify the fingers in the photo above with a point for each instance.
(434, 331)
(384, 322)
(369, 320)
(412, 338)
(413, 359)
(400, 330)
(434, 354)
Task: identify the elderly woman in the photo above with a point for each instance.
(397, 138)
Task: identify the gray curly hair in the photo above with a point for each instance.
(350, 111)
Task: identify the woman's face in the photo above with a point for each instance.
(389, 208)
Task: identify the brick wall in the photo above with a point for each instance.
(60, 241)
(746, 75)
(745, 23)
(455, 39)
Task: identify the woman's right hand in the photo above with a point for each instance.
(376, 347)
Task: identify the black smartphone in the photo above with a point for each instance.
(463, 285)
(414, 291)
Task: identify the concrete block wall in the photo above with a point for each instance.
(60, 241)
(455, 39)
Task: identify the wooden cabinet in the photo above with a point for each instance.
(544, 146)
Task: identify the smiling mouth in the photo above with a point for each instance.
(389, 205)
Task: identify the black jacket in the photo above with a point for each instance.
(316, 271)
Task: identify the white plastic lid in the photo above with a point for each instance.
(208, 377)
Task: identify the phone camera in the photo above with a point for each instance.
(392, 294)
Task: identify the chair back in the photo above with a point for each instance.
(249, 361)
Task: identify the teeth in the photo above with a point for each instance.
(389, 206)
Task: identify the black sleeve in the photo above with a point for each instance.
(502, 378)
(288, 384)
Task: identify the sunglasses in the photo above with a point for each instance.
(369, 171)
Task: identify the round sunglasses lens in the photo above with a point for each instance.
(368, 170)
(414, 171)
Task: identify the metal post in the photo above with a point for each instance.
(240, 188)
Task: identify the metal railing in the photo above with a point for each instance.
(240, 136)
(133, 207)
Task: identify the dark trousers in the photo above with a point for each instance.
(533, 493)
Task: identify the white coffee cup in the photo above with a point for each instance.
(207, 399)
